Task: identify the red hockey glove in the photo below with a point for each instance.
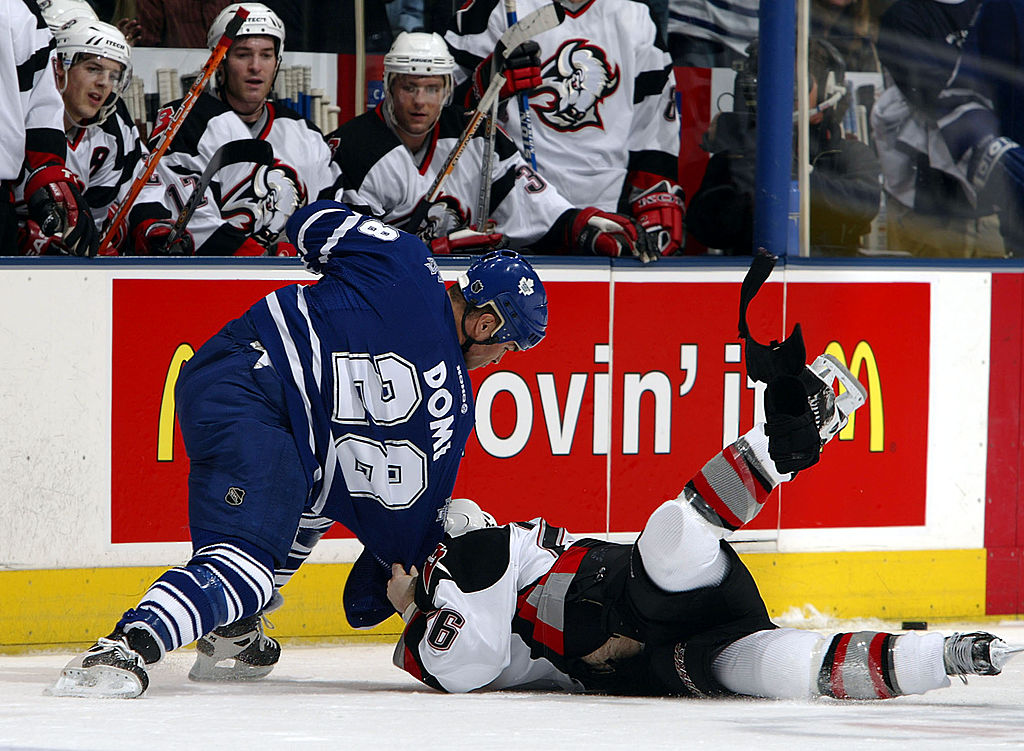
(56, 204)
(286, 249)
(32, 241)
(659, 209)
(251, 248)
(603, 234)
(521, 69)
(150, 238)
(467, 241)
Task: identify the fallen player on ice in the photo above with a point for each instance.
(527, 605)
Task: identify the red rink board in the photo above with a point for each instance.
(556, 471)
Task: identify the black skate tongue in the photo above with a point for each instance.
(766, 362)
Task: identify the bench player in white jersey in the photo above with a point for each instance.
(32, 145)
(104, 147)
(601, 101)
(675, 614)
(255, 203)
(389, 158)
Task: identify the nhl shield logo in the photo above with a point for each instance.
(234, 496)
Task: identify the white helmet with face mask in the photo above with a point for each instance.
(82, 39)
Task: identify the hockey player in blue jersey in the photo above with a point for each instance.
(348, 399)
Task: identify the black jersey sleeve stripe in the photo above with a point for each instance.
(650, 83)
(501, 187)
(472, 18)
(27, 71)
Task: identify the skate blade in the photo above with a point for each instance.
(227, 671)
(854, 393)
(96, 682)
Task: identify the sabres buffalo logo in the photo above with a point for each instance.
(577, 79)
(263, 203)
(445, 215)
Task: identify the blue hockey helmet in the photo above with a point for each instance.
(505, 281)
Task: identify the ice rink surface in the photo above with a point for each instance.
(351, 697)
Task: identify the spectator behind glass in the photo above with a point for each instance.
(929, 212)
(851, 26)
(844, 180)
(703, 34)
(176, 23)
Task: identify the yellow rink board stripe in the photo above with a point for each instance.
(54, 608)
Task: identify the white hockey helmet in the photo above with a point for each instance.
(262, 21)
(81, 38)
(463, 515)
(417, 53)
(56, 13)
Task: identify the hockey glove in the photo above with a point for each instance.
(150, 238)
(522, 72)
(467, 241)
(659, 209)
(603, 234)
(56, 204)
(997, 171)
(793, 439)
(32, 241)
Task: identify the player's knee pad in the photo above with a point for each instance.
(678, 549)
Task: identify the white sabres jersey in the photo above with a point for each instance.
(107, 158)
(28, 97)
(607, 103)
(299, 147)
(463, 639)
(382, 177)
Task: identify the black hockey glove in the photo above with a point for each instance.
(793, 439)
(56, 204)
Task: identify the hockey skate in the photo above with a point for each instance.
(110, 669)
(239, 651)
(977, 653)
(831, 408)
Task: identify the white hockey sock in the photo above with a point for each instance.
(777, 664)
(917, 659)
(680, 550)
(790, 664)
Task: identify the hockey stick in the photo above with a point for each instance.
(484, 207)
(542, 19)
(233, 152)
(525, 121)
(173, 125)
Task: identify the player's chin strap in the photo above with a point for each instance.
(765, 363)
(469, 341)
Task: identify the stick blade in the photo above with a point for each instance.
(543, 19)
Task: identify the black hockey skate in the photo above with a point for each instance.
(239, 651)
(977, 653)
(110, 669)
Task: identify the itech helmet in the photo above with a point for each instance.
(505, 281)
(56, 13)
(82, 38)
(262, 21)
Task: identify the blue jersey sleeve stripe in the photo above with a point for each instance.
(294, 365)
(339, 232)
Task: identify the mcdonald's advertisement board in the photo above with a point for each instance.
(636, 386)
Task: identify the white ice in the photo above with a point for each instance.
(351, 697)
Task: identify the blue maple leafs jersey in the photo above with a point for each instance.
(376, 385)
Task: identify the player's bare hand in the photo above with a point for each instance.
(401, 586)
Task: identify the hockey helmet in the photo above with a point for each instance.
(505, 281)
(418, 53)
(462, 515)
(262, 21)
(56, 13)
(82, 36)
